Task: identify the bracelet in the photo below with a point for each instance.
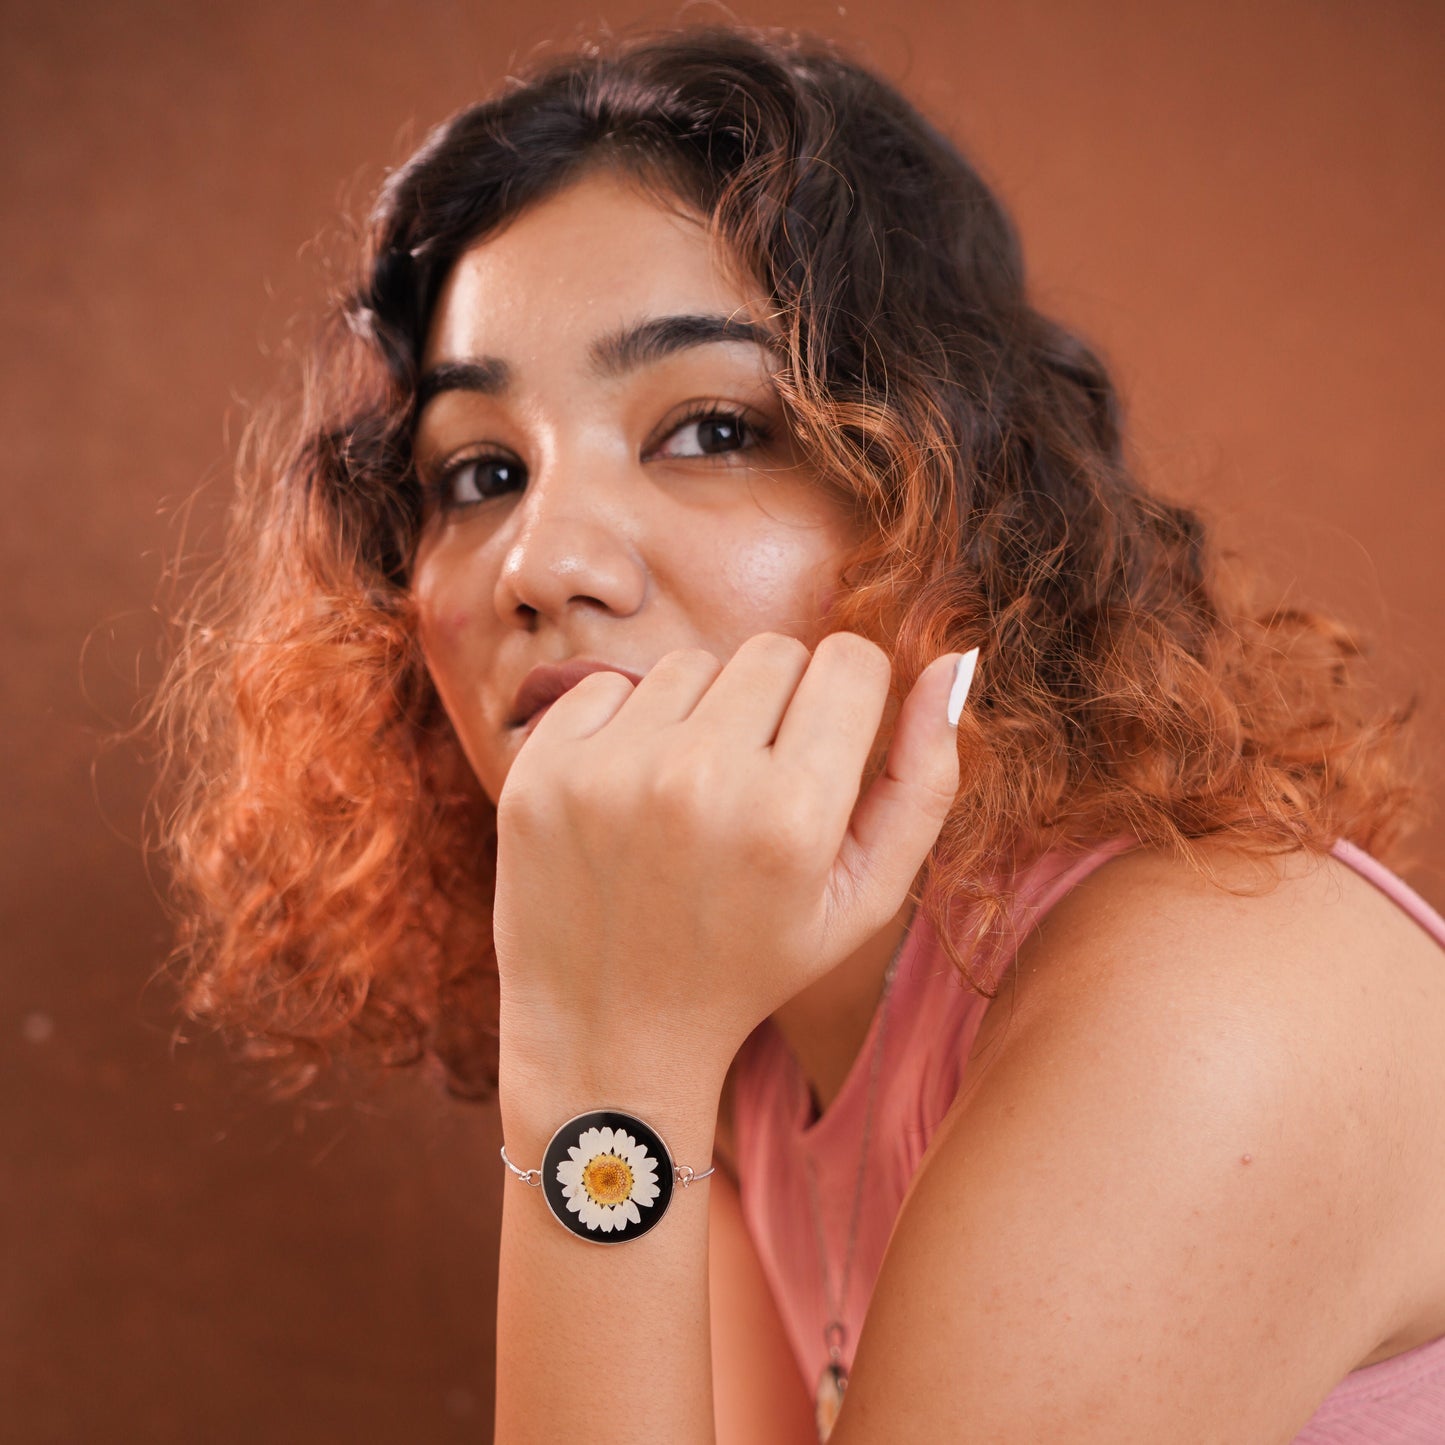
(607, 1176)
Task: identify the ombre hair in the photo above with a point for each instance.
(333, 855)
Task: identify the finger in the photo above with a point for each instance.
(751, 694)
(898, 818)
(834, 716)
(668, 692)
(585, 708)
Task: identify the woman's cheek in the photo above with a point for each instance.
(437, 632)
(444, 612)
(448, 640)
(770, 580)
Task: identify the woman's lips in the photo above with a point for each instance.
(546, 683)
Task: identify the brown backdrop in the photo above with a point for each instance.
(1242, 204)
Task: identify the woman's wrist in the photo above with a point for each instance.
(677, 1094)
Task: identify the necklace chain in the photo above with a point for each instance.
(835, 1331)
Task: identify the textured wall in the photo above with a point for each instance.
(1241, 203)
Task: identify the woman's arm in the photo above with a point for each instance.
(674, 862)
(1171, 1204)
(642, 1349)
(604, 1340)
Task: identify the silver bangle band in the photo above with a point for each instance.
(685, 1173)
(607, 1176)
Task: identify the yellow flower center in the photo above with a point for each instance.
(608, 1179)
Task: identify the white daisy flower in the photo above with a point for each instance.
(606, 1177)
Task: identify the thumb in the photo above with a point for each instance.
(898, 818)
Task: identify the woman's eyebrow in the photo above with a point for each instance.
(611, 354)
(647, 341)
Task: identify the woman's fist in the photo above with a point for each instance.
(679, 857)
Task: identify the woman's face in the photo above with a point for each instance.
(606, 462)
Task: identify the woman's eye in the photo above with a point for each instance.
(477, 480)
(709, 435)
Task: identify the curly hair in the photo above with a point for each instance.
(332, 854)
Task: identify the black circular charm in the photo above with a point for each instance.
(607, 1176)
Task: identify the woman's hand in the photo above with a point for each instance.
(678, 858)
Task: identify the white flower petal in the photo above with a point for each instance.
(569, 1174)
(630, 1209)
(645, 1192)
(591, 1142)
(638, 1158)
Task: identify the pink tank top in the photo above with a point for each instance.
(932, 1022)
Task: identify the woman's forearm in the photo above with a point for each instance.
(600, 1339)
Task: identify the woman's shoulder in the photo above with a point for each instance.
(1286, 1000)
(1148, 925)
(1294, 957)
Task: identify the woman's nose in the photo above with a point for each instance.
(574, 542)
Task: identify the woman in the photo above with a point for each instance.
(585, 702)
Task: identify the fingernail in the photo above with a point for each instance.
(962, 681)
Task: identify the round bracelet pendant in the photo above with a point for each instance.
(607, 1176)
